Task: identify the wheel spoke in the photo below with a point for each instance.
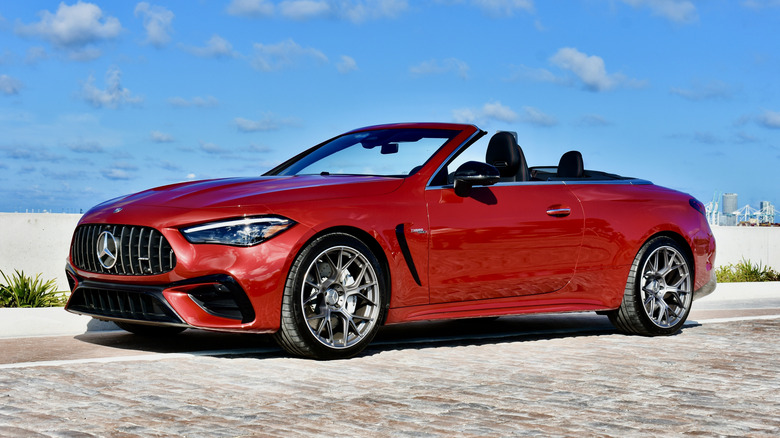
(346, 265)
(683, 278)
(314, 295)
(362, 318)
(364, 298)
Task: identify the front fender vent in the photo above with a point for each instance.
(138, 250)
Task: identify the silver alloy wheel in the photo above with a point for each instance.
(340, 297)
(666, 291)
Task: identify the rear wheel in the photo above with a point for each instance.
(150, 330)
(659, 290)
(333, 300)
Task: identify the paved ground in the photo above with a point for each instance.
(545, 376)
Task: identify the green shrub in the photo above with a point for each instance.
(20, 290)
(745, 271)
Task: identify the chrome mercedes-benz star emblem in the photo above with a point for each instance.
(107, 249)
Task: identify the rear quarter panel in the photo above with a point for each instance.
(620, 218)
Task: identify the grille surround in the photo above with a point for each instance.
(141, 251)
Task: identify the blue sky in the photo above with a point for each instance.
(101, 99)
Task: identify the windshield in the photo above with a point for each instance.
(385, 152)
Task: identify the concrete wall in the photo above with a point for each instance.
(38, 243)
(757, 244)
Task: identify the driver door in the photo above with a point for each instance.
(505, 240)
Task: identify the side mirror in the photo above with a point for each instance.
(474, 173)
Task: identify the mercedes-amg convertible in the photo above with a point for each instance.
(389, 224)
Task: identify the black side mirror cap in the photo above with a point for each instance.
(474, 173)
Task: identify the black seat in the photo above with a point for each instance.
(504, 153)
(571, 165)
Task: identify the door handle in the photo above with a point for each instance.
(558, 211)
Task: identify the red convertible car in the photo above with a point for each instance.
(388, 224)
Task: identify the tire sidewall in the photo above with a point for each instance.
(294, 290)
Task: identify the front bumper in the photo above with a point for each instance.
(212, 302)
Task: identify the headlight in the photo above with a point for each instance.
(238, 232)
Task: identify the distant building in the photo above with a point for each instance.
(729, 203)
(730, 207)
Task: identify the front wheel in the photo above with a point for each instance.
(333, 299)
(659, 290)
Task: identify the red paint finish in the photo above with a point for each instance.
(502, 236)
(508, 248)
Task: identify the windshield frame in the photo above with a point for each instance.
(296, 165)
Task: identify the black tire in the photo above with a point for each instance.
(659, 290)
(150, 330)
(334, 299)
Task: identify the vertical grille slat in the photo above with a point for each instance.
(122, 253)
(140, 251)
(130, 251)
(149, 251)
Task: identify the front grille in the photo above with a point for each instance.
(122, 304)
(140, 250)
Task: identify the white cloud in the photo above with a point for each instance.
(250, 8)
(701, 91)
(489, 111)
(268, 123)
(86, 147)
(116, 174)
(359, 11)
(304, 9)
(197, 101)
(503, 8)
(73, 27)
(538, 75)
(769, 119)
(441, 66)
(161, 137)
(591, 70)
(706, 138)
(9, 85)
(211, 148)
(536, 117)
(246, 125)
(346, 64)
(465, 115)
(113, 96)
(216, 47)
(680, 11)
(283, 55)
(356, 11)
(157, 22)
(497, 111)
(593, 120)
(743, 138)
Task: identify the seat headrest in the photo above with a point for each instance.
(571, 165)
(503, 153)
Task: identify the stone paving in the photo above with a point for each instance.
(717, 379)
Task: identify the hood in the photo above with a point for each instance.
(247, 192)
